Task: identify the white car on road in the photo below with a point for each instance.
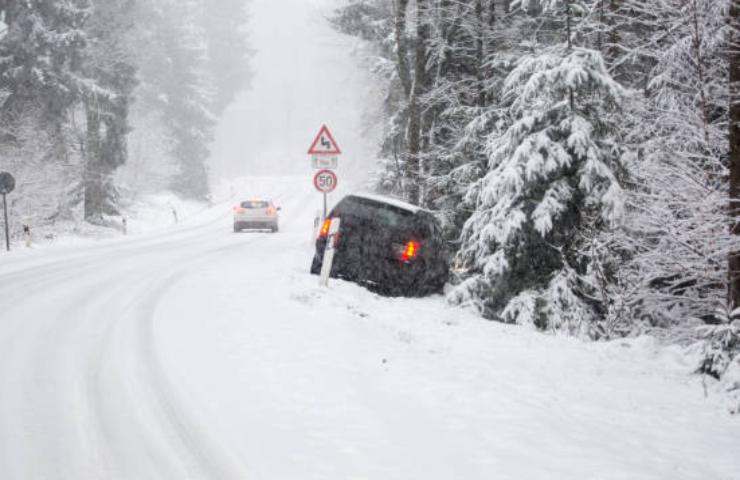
(256, 214)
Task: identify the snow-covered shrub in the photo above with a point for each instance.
(556, 166)
(731, 385)
(720, 356)
(721, 343)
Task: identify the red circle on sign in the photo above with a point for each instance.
(325, 181)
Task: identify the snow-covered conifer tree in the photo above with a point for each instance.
(553, 172)
(109, 60)
(180, 87)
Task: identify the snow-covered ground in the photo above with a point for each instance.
(194, 352)
(185, 351)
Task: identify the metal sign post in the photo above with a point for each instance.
(5, 215)
(7, 185)
(325, 182)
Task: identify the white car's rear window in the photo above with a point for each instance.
(254, 204)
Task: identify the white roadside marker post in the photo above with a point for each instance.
(27, 235)
(331, 241)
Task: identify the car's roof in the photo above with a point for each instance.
(389, 200)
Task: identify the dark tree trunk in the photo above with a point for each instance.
(612, 50)
(480, 50)
(416, 123)
(402, 52)
(93, 183)
(734, 58)
(699, 62)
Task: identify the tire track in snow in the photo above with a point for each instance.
(181, 447)
(104, 307)
(51, 342)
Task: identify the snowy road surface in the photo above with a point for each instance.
(199, 353)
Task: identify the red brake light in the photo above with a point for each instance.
(324, 232)
(238, 210)
(271, 211)
(410, 251)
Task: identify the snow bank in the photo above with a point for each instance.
(146, 214)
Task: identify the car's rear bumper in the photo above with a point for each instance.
(388, 276)
(255, 218)
(246, 224)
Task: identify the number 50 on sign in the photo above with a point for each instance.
(325, 181)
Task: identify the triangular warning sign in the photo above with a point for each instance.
(324, 144)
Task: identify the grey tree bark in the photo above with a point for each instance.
(402, 51)
(734, 58)
(92, 182)
(415, 124)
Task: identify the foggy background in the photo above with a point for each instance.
(306, 75)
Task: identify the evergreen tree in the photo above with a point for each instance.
(180, 88)
(228, 50)
(554, 170)
(41, 63)
(109, 61)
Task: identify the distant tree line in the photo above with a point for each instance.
(582, 154)
(102, 95)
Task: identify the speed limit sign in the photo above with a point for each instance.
(325, 181)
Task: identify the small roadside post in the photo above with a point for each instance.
(324, 152)
(7, 185)
(329, 252)
(27, 235)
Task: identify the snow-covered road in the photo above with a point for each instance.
(198, 353)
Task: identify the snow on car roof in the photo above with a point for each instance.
(389, 200)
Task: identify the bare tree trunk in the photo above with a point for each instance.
(699, 60)
(92, 174)
(402, 53)
(734, 58)
(415, 125)
(602, 25)
(480, 51)
(568, 13)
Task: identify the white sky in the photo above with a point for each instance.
(306, 74)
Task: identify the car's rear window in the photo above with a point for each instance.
(370, 211)
(255, 204)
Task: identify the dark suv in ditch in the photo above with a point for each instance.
(392, 247)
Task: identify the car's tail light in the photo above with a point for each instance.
(407, 252)
(238, 210)
(324, 232)
(271, 211)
